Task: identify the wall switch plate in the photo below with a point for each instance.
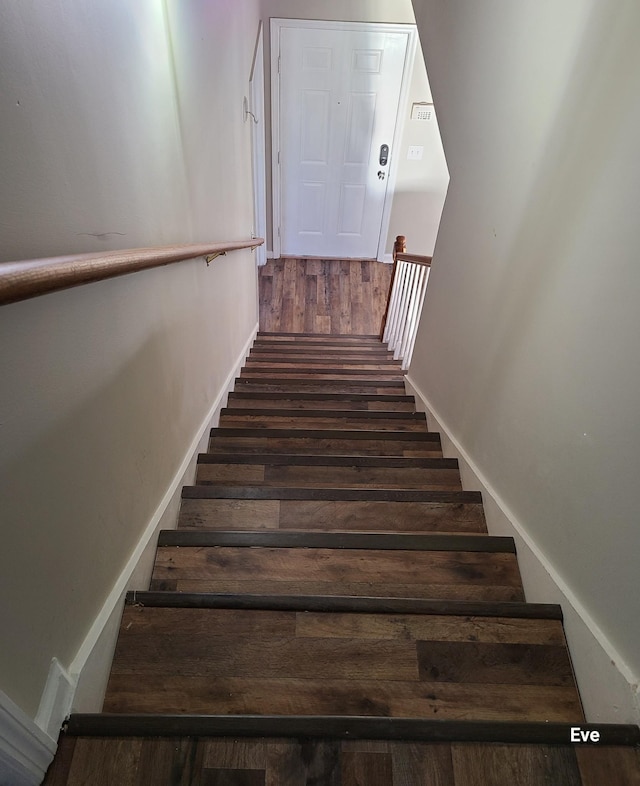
(415, 152)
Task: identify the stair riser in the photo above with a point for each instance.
(321, 365)
(384, 375)
(300, 355)
(364, 405)
(332, 515)
(319, 386)
(327, 422)
(336, 477)
(308, 571)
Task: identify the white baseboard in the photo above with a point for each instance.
(90, 667)
(608, 688)
(55, 702)
(25, 750)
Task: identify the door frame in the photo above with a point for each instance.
(256, 116)
(276, 183)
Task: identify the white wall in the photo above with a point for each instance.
(421, 185)
(527, 350)
(106, 388)
(89, 133)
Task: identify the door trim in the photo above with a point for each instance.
(258, 146)
(276, 26)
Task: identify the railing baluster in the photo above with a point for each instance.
(405, 302)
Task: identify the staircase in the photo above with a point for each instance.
(331, 609)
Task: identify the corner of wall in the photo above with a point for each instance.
(609, 691)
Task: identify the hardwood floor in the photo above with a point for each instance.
(326, 296)
(190, 761)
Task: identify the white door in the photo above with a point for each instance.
(339, 94)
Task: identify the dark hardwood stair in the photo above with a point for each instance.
(330, 581)
(357, 564)
(335, 471)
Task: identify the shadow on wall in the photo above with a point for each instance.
(416, 215)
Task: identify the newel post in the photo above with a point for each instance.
(399, 247)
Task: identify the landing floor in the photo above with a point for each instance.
(326, 296)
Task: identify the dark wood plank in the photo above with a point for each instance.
(299, 762)
(331, 515)
(330, 494)
(295, 698)
(343, 461)
(58, 772)
(234, 777)
(371, 418)
(325, 442)
(97, 761)
(499, 664)
(305, 420)
(319, 386)
(330, 567)
(320, 476)
(372, 769)
(416, 763)
(613, 766)
(525, 765)
(177, 762)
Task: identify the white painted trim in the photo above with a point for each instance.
(122, 582)
(276, 212)
(387, 259)
(271, 255)
(276, 26)
(56, 699)
(258, 146)
(608, 687)
(25, 750)
(409, 60)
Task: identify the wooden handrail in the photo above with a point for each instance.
(29, 278)
(418, 259)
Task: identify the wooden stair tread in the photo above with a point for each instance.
(340, 540)
(345, 434)
(321, 419)
(339, 494)
(291, 475)
(323, 366)
(386, 462)
(363, 338)
(326, 401)
(288, 563)
(355, 397)
(331, 515)
(311, 385)
(227, 660)
(332, 374)
(325, 442)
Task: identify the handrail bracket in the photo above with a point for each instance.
(210, 257)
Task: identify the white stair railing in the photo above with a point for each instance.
(406, 297)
